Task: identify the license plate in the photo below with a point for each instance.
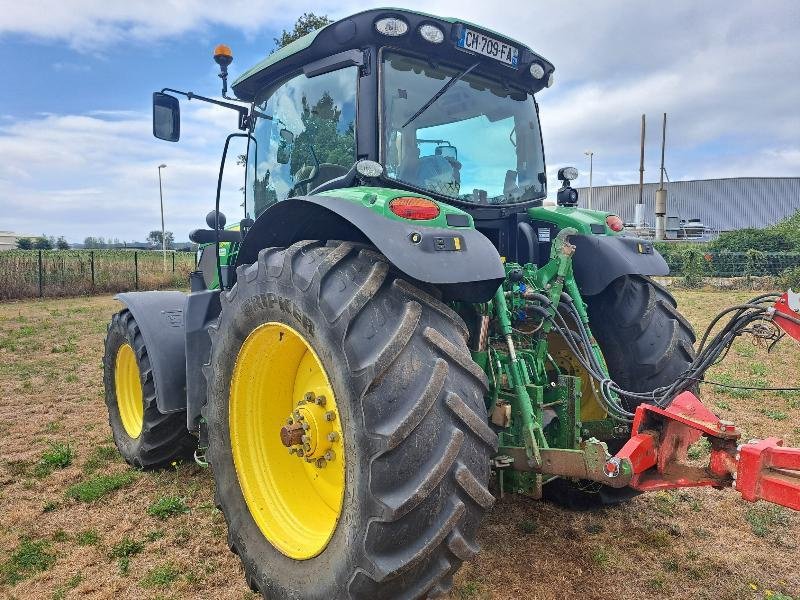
(479, 43)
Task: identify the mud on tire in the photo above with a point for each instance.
(410, 398)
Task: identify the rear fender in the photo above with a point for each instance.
(160, 317)
(469, 269)
(600, 259)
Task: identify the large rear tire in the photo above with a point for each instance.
(647, 344)
(415, 444)
(145, 437)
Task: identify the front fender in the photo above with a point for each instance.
(600, 259)
(460, 261)
(160, 317)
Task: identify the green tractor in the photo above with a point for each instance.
(397, 319)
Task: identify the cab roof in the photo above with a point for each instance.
(358, 31)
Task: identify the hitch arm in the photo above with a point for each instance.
(657, 451)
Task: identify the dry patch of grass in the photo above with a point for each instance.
(94, 528)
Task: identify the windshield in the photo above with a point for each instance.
(478, 142)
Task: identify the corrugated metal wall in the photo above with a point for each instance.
(722, 204)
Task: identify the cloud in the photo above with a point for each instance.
(81, 175)
(724, 71)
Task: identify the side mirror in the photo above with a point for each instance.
(285, 145)
(166, 117)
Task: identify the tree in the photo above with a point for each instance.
(307, 23)
(154, 238)
(24, 243)
(321, 128)
(61, 243)
(43, 243)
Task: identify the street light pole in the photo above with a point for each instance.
(590, 154)
(163, 235)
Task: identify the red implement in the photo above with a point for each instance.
(656, 454)
(788, 305)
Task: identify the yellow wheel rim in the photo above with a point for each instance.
(128, 385)
(286, 439)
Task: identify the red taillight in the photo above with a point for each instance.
(416, 209)
(615, 223)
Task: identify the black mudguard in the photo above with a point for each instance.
(600, 259)
(471, 274)
(160, 317)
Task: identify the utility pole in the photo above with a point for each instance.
(661, 193)
(163, 234)
(590, 154)
(639, 212)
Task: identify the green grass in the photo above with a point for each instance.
(160, 576)
(71, 584)
(30, 557)
(100, 456)
(99, 485)
(123, 551)
(126, 547)
(775, 415)
(87, 537)
(765, 519)
(699, 449)
(59, 456)
(600, 556)
(167, 506)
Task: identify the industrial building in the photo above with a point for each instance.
(702, 208)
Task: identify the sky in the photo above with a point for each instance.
(77, 156)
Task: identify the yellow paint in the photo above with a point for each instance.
(128, 390)
(591, 409)
(457, 242)
(295, 503)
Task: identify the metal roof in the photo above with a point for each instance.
(721, 204)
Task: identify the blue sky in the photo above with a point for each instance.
(79, 159)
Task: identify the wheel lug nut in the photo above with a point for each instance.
(321, 400)
(320, 463)
(333, 436)
(330, 415)
(329, 455)
(289, 421)
(297, 415)
(291, 450)
(305, 439)
(306, 426)
(309, 397)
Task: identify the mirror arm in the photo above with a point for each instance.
(244, 112)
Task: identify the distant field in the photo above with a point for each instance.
(76, 522)
(76, 272)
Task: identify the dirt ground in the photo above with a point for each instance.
(54, 434)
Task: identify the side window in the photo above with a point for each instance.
(309, 140)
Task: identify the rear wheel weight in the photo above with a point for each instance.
(413, 434)
(145, 437)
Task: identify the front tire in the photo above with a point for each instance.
(414, 439)
(145, 437)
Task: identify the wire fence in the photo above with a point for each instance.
(48, 273)
(731, 264)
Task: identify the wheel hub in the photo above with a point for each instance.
(309, 432)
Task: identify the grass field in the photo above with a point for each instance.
(77, 522)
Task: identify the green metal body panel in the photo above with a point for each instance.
(581, 219)
(378, 199)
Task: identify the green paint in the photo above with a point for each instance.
(378, 199)
(581, 219)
